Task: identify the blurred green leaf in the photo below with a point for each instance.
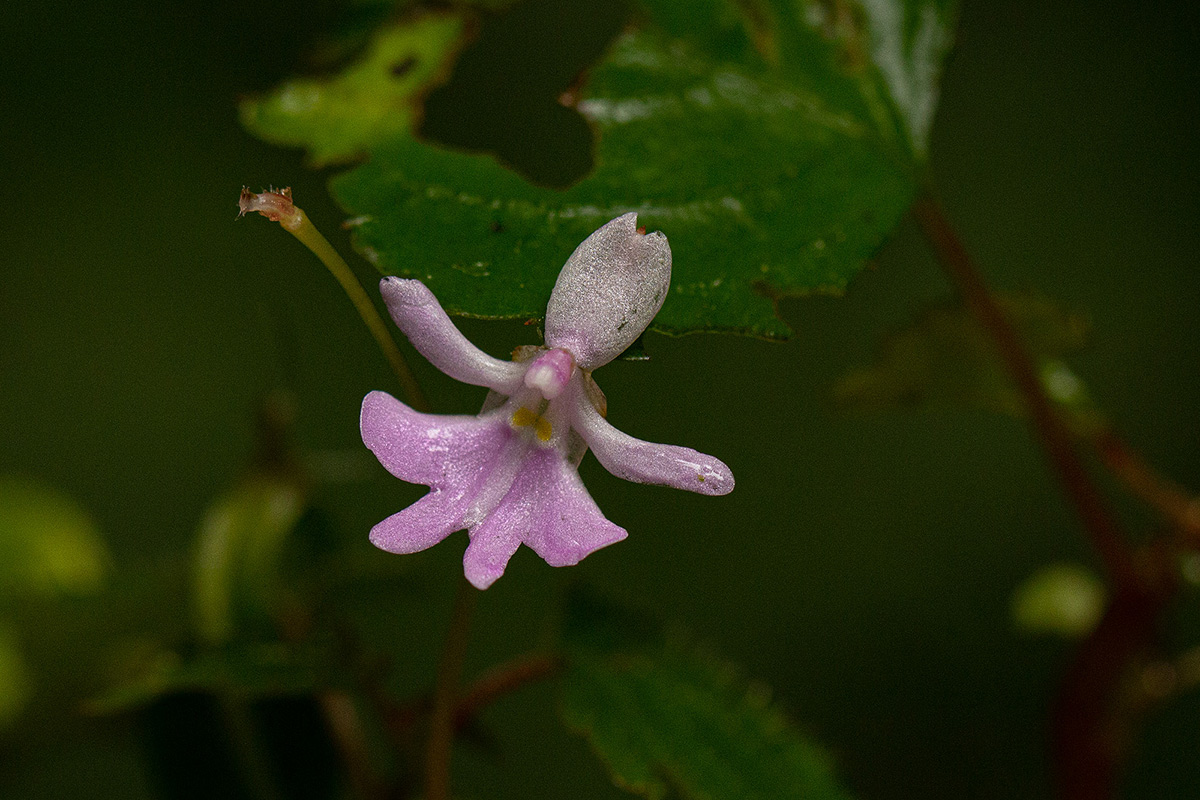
(253, 670)
(945, 358)
(1062, 599)
(49, 545)
(666, 716)
(14, 678)
(371, 101)
(238, 546)
(776, 144)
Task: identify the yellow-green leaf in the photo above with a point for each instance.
(1062, 599)
(238, 545)
(49, 545)
(253, 670)
(375, 99)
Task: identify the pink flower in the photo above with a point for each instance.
(509, 475)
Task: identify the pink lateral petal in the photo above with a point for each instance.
(442, 451)
(423, 524)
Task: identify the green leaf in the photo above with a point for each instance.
(254, 670)
(370, 102)
(667, 716)
(49, 545)
(945, 358)
(238, 546)
(14, 679)
(1063, 599)
(775, 144)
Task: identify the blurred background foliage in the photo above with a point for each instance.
(865, 568)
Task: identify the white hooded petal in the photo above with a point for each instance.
(608, 292)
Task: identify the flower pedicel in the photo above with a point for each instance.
(509, 475)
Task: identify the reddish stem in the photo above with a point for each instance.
(1056, 440)
(1094, 721)
(346, 728)
(503, 679)
(445, 694)
(1173, 502)
(1097, 713)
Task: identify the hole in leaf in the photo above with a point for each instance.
(504, 95)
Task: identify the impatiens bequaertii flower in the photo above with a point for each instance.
(509, 475)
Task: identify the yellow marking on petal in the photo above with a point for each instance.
(523, 417)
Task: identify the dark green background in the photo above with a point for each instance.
(863, 566)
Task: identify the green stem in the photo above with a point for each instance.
(445, 694)
(278, 206)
